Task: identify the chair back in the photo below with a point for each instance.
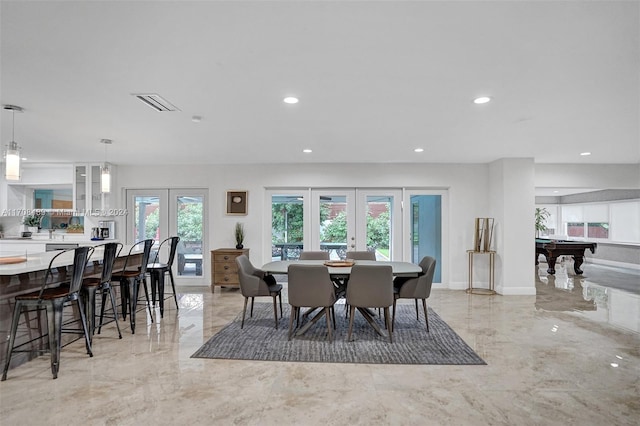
(146, 253)
(249, 283)
(310, 285)
(361, 255)
(80, 257)
(172, 249)
(420, 287)
(370, 286)
(145, 256)
(173, 246)
(111, 250)
(314, 255)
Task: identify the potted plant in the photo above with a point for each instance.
(541, 218)
(32, 222)
(239, 234)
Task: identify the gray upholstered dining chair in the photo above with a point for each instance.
(310, 286)
(314, 255)
(370, 286)
(415, 288)
(361, 255)
(253, 284)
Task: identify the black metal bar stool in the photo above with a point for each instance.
(102, 282)
(157, 271)
(53, 299)
(130, 277)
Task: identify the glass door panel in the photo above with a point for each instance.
(379, 220)
(189, 214)
(426, 230)
(287, 226)
(146, 217)
(333, 222)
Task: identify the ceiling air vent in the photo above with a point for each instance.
(156, 101)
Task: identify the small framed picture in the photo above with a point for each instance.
(236, 202)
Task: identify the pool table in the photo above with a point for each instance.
(554, 248)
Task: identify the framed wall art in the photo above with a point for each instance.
(236, 202)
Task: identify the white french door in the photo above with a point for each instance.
(379, 222)
(333, 225)
(161, 213)
(335, 220)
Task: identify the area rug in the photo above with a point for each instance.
(412, 344)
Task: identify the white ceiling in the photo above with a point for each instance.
(375, 80)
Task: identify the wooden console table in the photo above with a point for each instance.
(492, 263)
(224, 271)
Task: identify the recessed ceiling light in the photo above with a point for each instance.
(196, 118)
(555, 192)
(419, 150)
(584, 154)
(481, 100)
(290, 100)
(307, 151)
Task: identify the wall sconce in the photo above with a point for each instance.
(105, 170)
(12, 153)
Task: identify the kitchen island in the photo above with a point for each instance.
(27, 275)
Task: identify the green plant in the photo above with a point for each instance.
(541, 218)
(32, 220)
(239, 233)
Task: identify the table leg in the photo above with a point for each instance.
(367, 315)
(551, 261)
(308, 325)
(577, 262)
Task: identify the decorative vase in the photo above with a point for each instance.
(239, 246)
(32, 229)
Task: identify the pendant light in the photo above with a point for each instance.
(105, 170)
(12, 153)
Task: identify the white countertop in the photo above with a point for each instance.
(40, 261)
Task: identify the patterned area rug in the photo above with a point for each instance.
(412, 344)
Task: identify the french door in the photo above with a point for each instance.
(161, 213)
(337, 221)
(397, 224)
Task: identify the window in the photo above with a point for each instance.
(575, 229)
(598, 230)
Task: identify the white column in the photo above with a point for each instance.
(512, 204)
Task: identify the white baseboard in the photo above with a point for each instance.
(614, 263)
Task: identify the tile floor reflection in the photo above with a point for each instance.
(569, 355)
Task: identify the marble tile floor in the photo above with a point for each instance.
(552, 360)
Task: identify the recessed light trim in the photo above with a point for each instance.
(290, 100)
(584, 154)
(418, 150)
(482, 100)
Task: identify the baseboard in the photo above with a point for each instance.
(614, 263)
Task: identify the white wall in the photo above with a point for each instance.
(467, 186)
(506, 195)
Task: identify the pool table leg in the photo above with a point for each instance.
(577, 262)
(551, 261)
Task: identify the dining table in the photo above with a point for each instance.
(339, 271)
